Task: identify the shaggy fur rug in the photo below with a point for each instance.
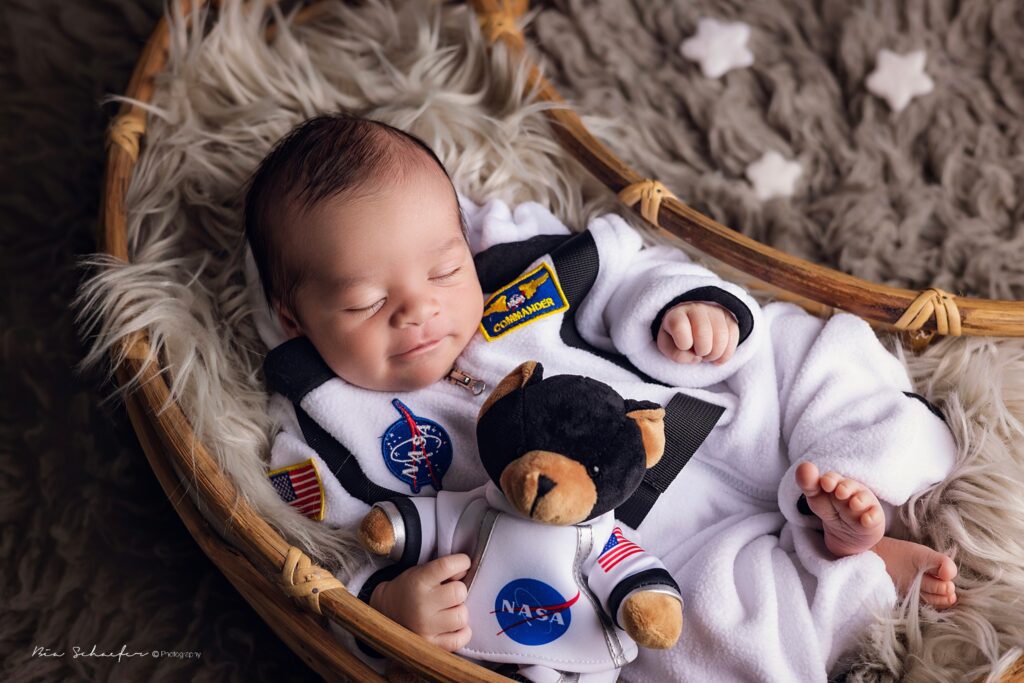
(226, 96)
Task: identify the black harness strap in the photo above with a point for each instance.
(294, 369)
(688, 422)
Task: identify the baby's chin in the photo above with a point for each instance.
(415, 376)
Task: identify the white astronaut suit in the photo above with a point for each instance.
(764, 600)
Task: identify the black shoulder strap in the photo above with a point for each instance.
(688, 422)
(294, 369)
(500, 264)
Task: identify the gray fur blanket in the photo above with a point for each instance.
(877, 184)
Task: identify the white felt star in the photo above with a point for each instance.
(899, 78)
(773, 176)
(718, 46)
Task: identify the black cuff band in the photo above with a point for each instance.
(378, 577)
(413, 533)
(931, 406)
(716, 295)
(802, 507)
(649, 578)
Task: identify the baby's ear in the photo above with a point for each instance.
(529, 372)
(289, 323)
(650, 418)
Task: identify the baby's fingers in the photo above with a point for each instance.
(734, 341)
(670, 351)
(442, 569)
(451, 619)
(455, 640)
(678, 327)
(702, 329)
(718, 321)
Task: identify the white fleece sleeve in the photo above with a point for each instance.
(842, 406)
(636, 285)
(495, 223)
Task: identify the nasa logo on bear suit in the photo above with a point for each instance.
(416, 450)
(533, 613)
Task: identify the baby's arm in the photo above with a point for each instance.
(427, 598)
(639, 288)
(847, 405)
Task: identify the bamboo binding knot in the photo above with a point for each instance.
(932, 300)
(502, 21)
(125, 132)
(650, 194)
(302, 580)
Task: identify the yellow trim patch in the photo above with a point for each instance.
(317, 516)
(532, 296)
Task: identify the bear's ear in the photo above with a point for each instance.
(651, 422)
(529, 372)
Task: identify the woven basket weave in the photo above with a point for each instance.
(261, 564)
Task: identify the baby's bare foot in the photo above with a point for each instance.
(904, 560)
(849, 511)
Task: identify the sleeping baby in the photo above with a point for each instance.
(393, 305)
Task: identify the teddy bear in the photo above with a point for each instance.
(555, 585)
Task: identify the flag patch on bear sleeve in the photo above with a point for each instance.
(616, 550)
(532, 296)
(300, 486)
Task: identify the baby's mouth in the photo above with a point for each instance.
(419, 350)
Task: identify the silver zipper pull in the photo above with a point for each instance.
(475, 386)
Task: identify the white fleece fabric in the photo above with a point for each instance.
(764, 599)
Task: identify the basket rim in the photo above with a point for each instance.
(818, 288)
(164, 430)
(262, 547)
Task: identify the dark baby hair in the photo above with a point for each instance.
(321, 158)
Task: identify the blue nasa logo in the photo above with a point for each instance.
(531, 612)
(416, 450)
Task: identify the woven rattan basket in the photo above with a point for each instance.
(296, 598)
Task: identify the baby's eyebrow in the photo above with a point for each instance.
(449, 244)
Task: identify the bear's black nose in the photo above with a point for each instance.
(544, 485)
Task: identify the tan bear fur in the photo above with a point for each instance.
(375, 532)
(653, 620)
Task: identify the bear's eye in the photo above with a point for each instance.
(596, 469)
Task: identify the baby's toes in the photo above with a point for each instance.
(945, 569)
(939, 601)
(847, 488)
(829, 481)
(929, 584)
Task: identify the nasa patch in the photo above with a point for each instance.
(529, 298)
(531, 612)
(416, 450)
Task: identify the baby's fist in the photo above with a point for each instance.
(696, 331)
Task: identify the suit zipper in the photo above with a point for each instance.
(474, 386)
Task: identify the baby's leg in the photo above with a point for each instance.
(853, 522)
(904, 560)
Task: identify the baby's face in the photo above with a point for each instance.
(389, 295)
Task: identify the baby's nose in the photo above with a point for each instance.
(416, 311)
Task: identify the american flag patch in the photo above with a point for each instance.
(616, 550)
(300, 486)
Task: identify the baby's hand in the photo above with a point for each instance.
(429, 600)
(697, 331)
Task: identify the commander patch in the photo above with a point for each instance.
(530, 298)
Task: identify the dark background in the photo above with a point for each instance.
(91, 551)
